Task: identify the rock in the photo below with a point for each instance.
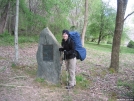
(48, 57)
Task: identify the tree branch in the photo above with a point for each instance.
(10, 85)
(105, 35)
(128, 15)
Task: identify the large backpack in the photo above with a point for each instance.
(81, 51)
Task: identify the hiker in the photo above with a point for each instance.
(68, 48)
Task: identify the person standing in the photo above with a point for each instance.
(68, 47)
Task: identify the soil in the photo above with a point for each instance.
(20, 83)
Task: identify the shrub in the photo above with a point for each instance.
(6, 39)
(109, 42)
(130, 44)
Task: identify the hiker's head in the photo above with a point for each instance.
(65, 34)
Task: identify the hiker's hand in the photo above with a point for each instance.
(66, 52)
(61, 49)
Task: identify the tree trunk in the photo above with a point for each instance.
(99, 39)
(11, 20)
(101, 27)
(16, 32)
(121, 8)
(4, 18)
(85, 21)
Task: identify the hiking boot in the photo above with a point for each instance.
(69, 87)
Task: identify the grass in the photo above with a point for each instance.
(101, 47)
(127, 50)
(108, 48)
(40, 80)
(8, 40)
(82, 82)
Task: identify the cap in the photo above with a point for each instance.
(65, 31)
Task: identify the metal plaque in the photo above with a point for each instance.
(48, 53)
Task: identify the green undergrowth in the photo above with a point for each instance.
(81, 81)
(6, 39)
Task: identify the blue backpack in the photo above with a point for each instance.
(81, 51)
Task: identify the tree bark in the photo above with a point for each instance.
(85, 22)
(99, 39)
(16, 32)
(121, 8)
(4, 18)
(101, 29)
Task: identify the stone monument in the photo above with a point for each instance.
(48, 57)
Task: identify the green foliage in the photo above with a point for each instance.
(131, 44)
(28, 39)
(59, 10)
(101, 21)
(109, 42)
(6, 39)
(29, 22)
(59, 37)
(82, 82)
(124, 34)
(61, 5)
(3, 3)
(60, 23)
(52, 14)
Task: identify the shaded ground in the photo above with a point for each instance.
(20, 83)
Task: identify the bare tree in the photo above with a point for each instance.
(85, 22)
(16, 31)
(121, 9)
